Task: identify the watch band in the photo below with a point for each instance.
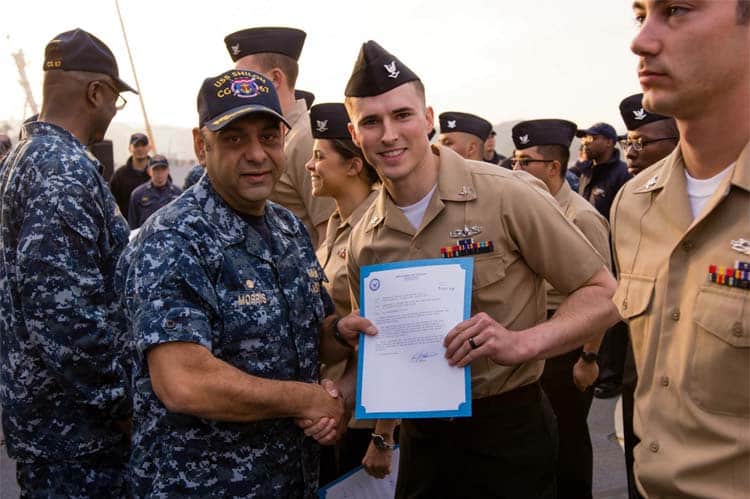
(380, 443)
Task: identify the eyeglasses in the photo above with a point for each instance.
(524, 162)
(639, 144)
(120, 102)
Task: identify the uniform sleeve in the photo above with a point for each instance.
(352, 274)
(65, 300)
(132, 213)
(546, 240)
(613, 224)
(596, 230)
(169, 298)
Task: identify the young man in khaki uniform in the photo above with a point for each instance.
(677, 228)
(542, 149)
(433, 198)
(275, 52)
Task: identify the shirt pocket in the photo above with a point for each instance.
(719, 375)
(487, 271)
(633, 299)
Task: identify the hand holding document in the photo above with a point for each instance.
(402, 371)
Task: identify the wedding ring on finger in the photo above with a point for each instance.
(473, 345)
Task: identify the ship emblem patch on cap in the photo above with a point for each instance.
(245, 87)
(524, 139)
(322, 125)
(391, 68)
(639, 114)
(451, 123)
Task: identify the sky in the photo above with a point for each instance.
(503, 60)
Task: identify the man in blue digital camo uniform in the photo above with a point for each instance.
(228, 314)
(154, 194)
(65, 396)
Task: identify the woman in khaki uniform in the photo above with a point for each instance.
(338, 170)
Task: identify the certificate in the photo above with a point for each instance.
(402, 371)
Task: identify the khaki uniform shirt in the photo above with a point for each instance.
(590, 222)
(294, 188)
(332, 257)
(527, 228)
(690, 337)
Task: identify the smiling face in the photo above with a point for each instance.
(392, 128)
(244, 160)
(329, 171)
(690, 53)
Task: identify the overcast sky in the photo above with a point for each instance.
(501, 59)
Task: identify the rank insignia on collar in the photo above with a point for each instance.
(741, 245)
(733, 277)
(651, 182)
(465, 232)
(375, 220)
(467, 247)
(250, 284)
(341, 253)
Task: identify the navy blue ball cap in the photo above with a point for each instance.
(634, 115)
(376, 71)
(158, 160)
(329, 120)
(78, 50)
(285, 41)
(453, 121)
(234, 94)
(603, 129)
(139, 137)
(548, 132)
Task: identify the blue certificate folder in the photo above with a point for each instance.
(463, 408)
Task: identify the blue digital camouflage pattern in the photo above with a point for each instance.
(146, 199)
(100, 475)
(63, 335)
(197, 272)
(193, 176)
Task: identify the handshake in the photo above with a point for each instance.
(327, 414)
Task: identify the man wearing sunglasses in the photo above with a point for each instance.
(651, 136)
(66, 399)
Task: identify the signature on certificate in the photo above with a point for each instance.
(422, 356)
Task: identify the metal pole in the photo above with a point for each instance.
(137, 84)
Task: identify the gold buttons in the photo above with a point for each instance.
(676, 315)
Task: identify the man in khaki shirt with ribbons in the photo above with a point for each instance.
(432, 198)
(543, 150)
(681, 233)
(274, 52)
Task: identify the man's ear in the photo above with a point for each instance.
(199, 146)
(353, 133)
(278, 78)
(94, 93)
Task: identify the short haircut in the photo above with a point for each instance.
(349, 150)
(270, 60)
(743, 12)
(558, 152)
